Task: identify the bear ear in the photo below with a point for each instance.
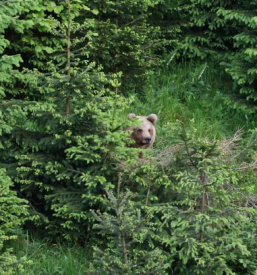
(152, 118)
(132, 116)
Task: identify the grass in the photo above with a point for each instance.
(53, 259)
(194, 93)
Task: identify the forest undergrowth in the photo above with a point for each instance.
(193, 94)
(75, 196)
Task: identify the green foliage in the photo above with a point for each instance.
(206, 214)
(13, 214)
(124, 40)
(29, 33)
(20, 20)
(116, 35)
(64, 150)
(62, 138)
(203, 31)
(128, 251)
(196, 218)
(63, 66)
(17, 84)
(242, 63)
(225, 31)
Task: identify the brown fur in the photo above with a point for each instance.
(143, 134)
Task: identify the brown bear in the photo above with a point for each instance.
(144, 133)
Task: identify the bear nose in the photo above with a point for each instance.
(147, 140)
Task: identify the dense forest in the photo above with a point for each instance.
(76, 197)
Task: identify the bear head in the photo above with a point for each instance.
(144, 133)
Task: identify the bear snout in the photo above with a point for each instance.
(148, 140)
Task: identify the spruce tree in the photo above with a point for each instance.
(242, 61)
(205, 213)
(127, 229)
(13, 215)
(65, 149)
(124, 39)
(202, 31)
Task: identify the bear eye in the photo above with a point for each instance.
(139, 130)
(149, 130)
